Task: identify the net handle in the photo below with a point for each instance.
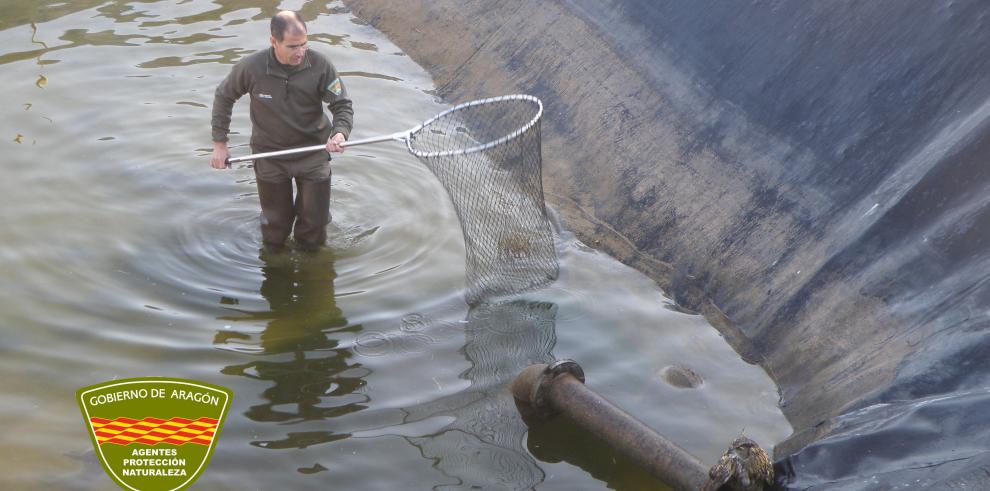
(405, 136)
(401, 136)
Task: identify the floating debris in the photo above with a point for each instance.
(312, 470)
(17, 139)
(744, 467)
(681, 376)
(42, 81)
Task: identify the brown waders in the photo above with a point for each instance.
(309, 212)
(312, 213)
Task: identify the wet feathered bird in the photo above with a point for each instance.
(743, 467)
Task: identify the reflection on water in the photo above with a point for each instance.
(360, 366)
(559, 440)
(21, 12)
(311, 376)
(484, 447)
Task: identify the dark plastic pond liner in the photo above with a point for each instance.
(814, 174)
(938, 442)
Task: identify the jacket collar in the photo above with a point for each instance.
(277, 69)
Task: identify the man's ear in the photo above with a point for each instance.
(272, 39)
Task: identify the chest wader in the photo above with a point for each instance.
(277, 213)
(310, 212)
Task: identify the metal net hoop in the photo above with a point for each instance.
(475, 126)
(487, 155)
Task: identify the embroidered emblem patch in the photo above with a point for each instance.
(335, 87)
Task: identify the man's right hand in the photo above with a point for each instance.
(220, 155)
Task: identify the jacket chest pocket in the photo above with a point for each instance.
(304, 89)
(296, 90)
(270, 91)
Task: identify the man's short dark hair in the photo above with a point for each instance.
(283, 23)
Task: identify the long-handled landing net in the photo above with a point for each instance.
(487, 155)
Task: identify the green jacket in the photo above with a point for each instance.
(286, 102)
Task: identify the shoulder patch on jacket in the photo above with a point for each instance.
(335, 87)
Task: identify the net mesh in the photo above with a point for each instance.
(487, 155)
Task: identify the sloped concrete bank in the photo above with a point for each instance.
(810, 176)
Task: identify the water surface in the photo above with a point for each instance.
(359, 367)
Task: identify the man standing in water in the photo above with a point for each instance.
(288, 85)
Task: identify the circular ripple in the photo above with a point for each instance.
(373, 344)
(414, 323)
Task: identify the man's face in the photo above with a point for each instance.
(291, 49)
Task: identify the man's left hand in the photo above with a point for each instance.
(334, 143)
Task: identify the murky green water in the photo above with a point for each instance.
(359, 367)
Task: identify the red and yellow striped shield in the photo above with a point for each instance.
(152, 431)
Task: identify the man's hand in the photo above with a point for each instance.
(220, 155)
(333, 144)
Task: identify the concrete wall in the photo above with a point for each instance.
(809, 175)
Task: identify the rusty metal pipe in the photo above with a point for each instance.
(544, 390)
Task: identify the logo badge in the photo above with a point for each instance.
(335, 87)
(154, 434)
